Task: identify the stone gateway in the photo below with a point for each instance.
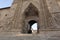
(24, 13)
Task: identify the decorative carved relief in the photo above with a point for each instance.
(31, 10)
(56, 20)
(53, 6)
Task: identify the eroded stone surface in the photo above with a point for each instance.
(13, 19)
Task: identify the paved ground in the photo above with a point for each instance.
(53, 35)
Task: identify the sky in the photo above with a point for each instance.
(34, 26)
(8, 3)
(5, 3)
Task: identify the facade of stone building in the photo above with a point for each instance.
(23, 13)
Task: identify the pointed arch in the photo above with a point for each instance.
(30, 13)
(31, 10)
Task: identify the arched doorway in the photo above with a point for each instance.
(31, 16)
(33, 27)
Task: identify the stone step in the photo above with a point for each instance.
(42, 36)
(28, 38)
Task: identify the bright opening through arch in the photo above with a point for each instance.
(33, 27)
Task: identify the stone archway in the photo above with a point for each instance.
(30, 29)
(30, 13)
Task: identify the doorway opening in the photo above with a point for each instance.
(31, 12)
(33, 27)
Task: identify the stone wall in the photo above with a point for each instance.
(54, 9)
(12, 18)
